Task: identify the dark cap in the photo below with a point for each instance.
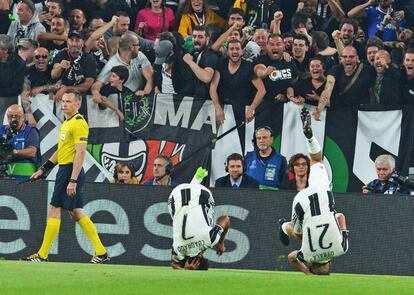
(27, 43)
(162, 51)
(76, 34)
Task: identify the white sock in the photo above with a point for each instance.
(313, 145)
(284, 225)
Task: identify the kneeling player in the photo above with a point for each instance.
(191, 206)
(323, 232)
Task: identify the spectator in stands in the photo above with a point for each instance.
(345, 36)
(25, 141)
(321, 49)
(154, 19)
(75, 69)
(55, 40)
(309, 90)
(328, 15)
(124, 173)
(96, 22)
(277, 74)
(49, 10)
(302, 24)
(196, 13)
(374, 15)
(27, 25)
(12, 72)
(236, 176)
(77, 20)
(350, 81)
(288, 40)
(108, 8)
(298, 176)
(120, 27)
(408, 90)
(202, 63)
(128, 55)
(39, 74)
(388, 83)
(163, 167)
(385, 166)
(264, 164)
(261, 37)
(299, 52)
(6, 16)
(232, 83)
(374, 44)
(26, 48)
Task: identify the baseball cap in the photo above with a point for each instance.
(76, 34)
(27, 43)
(162, 51)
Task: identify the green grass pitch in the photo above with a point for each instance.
(18, 277)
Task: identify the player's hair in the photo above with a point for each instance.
(385, 159)
(75, 92)
(320, 268)
(296, 157)
(122, 72)
(121, 165)
(203, 262)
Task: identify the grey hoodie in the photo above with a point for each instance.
(18, 31)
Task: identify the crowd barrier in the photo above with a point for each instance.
(135, 226)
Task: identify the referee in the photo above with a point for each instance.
(68, 192)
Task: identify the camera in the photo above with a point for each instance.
(402, 180)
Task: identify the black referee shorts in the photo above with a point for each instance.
(60, 197)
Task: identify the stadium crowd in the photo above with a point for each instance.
(326, 53)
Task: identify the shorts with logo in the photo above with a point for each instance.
(60, 198)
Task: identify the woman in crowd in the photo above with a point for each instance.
(197, 13)
(154, 19)
(124, 173)
(299, 168)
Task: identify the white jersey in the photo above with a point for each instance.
(191, 207)
(313, 216)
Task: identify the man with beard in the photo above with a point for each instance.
(388, 82)
(232, 83)
(75, 69)
(374, 15)
(299, 50)
(120, 27)
(345, 36)
(277, 74)
(27, 25)
(264, 164)
(55, 40)
(408, 90)
(374, 44)
(202, 63)
(50, 10)
(350, 81)
(77, 20)
(128, 55)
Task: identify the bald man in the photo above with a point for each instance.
(24, 144)
(388, 85)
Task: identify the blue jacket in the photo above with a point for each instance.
(269, 172)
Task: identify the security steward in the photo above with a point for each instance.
(24, 140)
(68, 192)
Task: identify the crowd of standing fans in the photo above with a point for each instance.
(255, 53)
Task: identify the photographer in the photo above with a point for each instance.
(388, 181)
(21, 142)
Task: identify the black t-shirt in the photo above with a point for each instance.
(280, 79)
(359, 92)
(123, 95)
(303, 87)
(208, 59)
(54, 49)
(235, 87)
(38, 78)
(82, 67)
(302, 67)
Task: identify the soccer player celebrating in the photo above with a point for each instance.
(191, 206)
(323, 232)
(68, 192)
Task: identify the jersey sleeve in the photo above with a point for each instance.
(81, 131)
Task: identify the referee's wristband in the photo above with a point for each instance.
(48, 165)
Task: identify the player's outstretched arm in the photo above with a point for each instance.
(224, 222)
(314, 149)
(300, 266)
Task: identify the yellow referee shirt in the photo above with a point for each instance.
(73, 131)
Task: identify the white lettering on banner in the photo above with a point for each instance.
(237, 237)
(166, 115)
(369, 133)
(22, 222)
(280, 75)
(121, 227)
(161, 230)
